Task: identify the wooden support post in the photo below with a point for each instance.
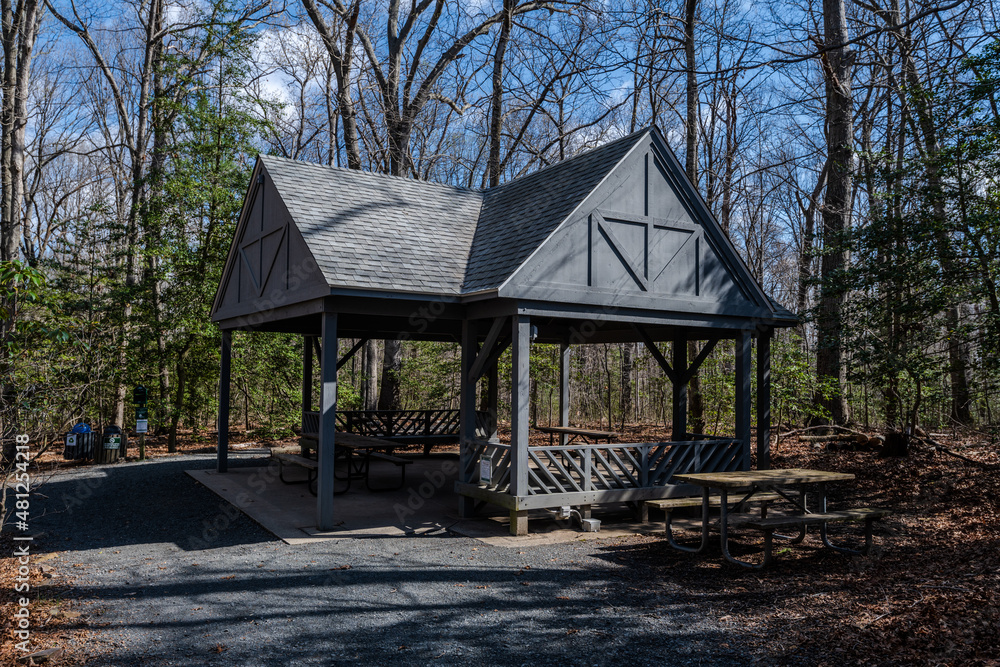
(327, 424)
(467, 416)
(222, 463)
(680, 381)
(492, 401)
(307, 375)
(520, 398)
(743, 364)
(563, 390)
(764, 399)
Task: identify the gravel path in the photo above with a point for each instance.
(155, 592)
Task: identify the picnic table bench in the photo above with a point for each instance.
(773, 485)
(577, 433)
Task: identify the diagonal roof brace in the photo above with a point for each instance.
(486, 356)
(655, 351)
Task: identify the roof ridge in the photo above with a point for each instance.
(365, 172)
(580, 155)
(460, 188)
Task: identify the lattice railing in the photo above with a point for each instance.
(606, 467)
(399, 423)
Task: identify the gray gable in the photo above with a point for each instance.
(372, 231)
(518, 216)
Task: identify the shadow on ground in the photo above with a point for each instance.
(103, 507)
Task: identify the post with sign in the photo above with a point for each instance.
(140, 396)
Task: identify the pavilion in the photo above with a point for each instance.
(612, 245)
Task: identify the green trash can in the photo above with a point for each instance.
(112, 443)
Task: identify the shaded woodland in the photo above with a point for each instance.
(849, 150)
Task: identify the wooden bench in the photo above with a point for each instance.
(866, 514)
(311, 465)
(668, 505)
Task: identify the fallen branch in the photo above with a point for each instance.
(936, 446)
(859, 438)
(817, 428)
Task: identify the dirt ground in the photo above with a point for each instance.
(929, 594)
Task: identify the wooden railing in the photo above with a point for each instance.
(607, 467)
(416, 426)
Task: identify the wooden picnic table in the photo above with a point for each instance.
(779, 485)
(577, 433)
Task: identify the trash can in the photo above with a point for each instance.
(79, 442)
(112, 441)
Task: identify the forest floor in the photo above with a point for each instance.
(929, 594)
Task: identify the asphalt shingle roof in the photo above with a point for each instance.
(374, 231)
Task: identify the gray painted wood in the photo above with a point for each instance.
(554, 500)
(743, 365)
(520, 397)
(482, 359)
(350, 353)
(269, 263)
(307, 376)
(641, 240)
(327, 424)
(564, 366)
(680, 389)
(764, 399)
(492, 401)
(467, 414)
(222, 451)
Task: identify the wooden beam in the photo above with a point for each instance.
(307, 375)
(564, 352)
(764, 399)
(350, 353)
(700, 359)
(492, 400)
(317, 349)
(520, 398)
(743, 349)
(222, 451)
(327, 425)
(479, 365)
(500, 348)
(680, 394)
(655, 351)
(467, 416)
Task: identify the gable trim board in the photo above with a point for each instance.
(602, 212)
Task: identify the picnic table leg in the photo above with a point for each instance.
(802, 530)
(724, 531)
(826, 537)
(704, 527)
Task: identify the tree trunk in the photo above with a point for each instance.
(371, 376)
(836, 212)
(496, 101)
(392, 367)
(958, 354)
(19, 29)
(696, 406)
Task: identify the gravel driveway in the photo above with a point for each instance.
(154, 596)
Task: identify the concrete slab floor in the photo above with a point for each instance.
(426, 505)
